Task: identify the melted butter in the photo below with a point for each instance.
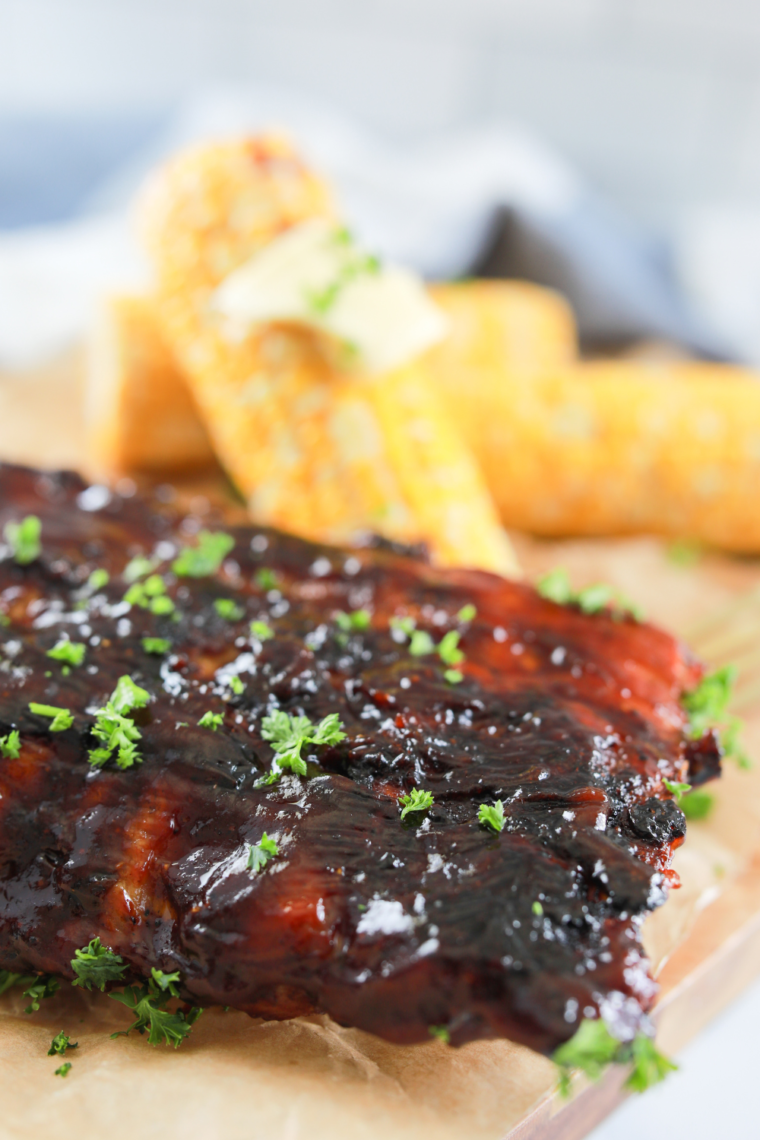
(373, 316)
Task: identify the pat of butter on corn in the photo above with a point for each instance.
(376, 316)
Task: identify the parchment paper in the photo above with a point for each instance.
(240, 1079)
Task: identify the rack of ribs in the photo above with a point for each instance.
(387, 919)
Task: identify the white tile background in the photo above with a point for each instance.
(657, 100)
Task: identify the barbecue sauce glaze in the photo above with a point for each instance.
(571, 720)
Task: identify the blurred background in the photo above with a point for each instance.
(655, 106)
(609, 147)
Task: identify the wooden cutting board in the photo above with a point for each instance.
(237, 1077)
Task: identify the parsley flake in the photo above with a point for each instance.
(448, 650)
(555, 587)
(537, 909)
(402, 626)
(158, 646)
(70, 652)
(467, 613)
(707, 706)
(63, 1070)
(60, 1043)
(697, 804)
(138, 568)
(115, 729)
(440, 1032)
(43, 987)
(261, 630)
(416, 800)
(260, 853)
(288, 735)
(421, 643)
(9, 979)
(203, 560)
(266, 579)
(228, 609)
(352, 622)
(211, 720)
(24, 539)
(147, 1002)
(236, 685)
(593, 1048)
(453, 676)
(61, 718)
(127, 695)
(97, 580)
(492, 815)
(95, 964)
(150, 595)
(676, 789)
(10, 745)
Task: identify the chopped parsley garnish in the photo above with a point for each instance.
(43, 987)
(593, 1048)
(266, 579)
(421, 643)
(203, 560)
(537, 909)
(162, 606)
(676, 789)
(95, 964)
(453, 676)
(8, 979)
(147, 1002)
(127, 695)
(61, 718)
(261, 630)
(10, 745)
(416, 800)
(403, 626)
(355, 621)
(115, 729)
(492, 815)
(448, 650)
(321, 301)
(236, 685)
(649, 1065)
(440, 1032)
(70, 652)
(24, 539)
(211, 720)
(289, 734)
(138, 567)
(63, 1070)
(97, 580)
(158, 646)
(228, 609)
(707, 706)
(698, 804)
(60, 1043)
(260, 853)
(555, 587)
(467, 613)
(150, 595)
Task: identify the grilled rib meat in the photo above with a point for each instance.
(392, 925)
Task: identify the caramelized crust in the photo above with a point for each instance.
(572, 721)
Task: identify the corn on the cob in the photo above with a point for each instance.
(502, 327)
(620, 447)
(315, 451)
(139, 413)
